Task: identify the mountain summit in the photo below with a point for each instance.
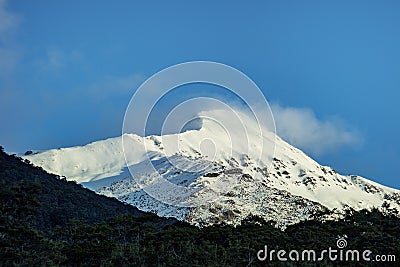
(223, 169)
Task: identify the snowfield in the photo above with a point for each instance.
(228, 171)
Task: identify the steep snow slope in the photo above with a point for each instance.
(232, 172)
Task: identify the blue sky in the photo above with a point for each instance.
(67, 71)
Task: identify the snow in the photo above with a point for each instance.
(255, 173)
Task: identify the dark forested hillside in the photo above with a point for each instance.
(47, 221)
(50, 200)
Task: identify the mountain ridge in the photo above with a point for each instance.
(126, 240)
(272, 180)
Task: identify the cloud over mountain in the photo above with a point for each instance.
(302, 128)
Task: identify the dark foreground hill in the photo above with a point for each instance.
(44, 200)
(47, 221)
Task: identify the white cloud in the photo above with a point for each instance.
(55, 59)
(298, 126)
(301, 128)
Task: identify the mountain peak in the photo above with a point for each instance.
(219, 163)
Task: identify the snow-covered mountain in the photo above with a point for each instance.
(227, 178)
